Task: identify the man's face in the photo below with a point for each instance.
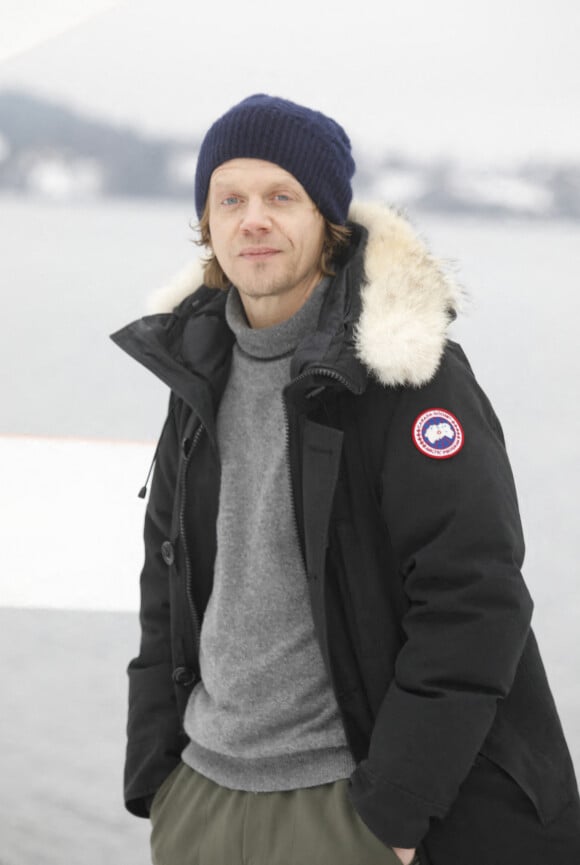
(267, 235)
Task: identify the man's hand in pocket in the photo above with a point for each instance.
(405, 854)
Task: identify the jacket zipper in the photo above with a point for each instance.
(188, 572)
(329, 373)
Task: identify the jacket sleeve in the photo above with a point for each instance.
(154, 736)
(455, 528)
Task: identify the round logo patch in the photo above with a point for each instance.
(438, 434)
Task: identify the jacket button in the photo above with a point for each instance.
(183, 676)
(167, 553)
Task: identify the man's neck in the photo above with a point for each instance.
(270, 310)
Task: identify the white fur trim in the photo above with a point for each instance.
(406, 302)
(185, 282)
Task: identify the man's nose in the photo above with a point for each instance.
(255, 216)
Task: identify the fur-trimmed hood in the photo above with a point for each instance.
(409, 299)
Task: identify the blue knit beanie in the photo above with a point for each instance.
(311, 146)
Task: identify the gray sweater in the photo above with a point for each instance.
(264, 716)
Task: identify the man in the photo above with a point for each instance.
(336, 662)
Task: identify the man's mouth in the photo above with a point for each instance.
(258, 253)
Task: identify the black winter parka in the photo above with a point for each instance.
(413, 562)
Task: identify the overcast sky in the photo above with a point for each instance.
(487, 82)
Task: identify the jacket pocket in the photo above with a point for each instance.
(544, 778)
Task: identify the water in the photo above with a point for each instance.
(70, 276)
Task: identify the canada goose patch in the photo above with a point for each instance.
(438, 434)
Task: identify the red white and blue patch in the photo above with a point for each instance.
(438, 434)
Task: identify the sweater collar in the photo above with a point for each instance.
(282, 339)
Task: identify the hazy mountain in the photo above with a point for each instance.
(50, 150)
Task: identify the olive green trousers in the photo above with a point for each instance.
(197, 822)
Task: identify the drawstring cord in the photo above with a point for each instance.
(143, 491)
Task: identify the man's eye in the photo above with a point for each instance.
(231, 199)
(281, 196)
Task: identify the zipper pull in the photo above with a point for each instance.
(316, 391)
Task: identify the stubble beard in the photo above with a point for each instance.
(263, 284)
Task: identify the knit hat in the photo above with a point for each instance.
(311, 146)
